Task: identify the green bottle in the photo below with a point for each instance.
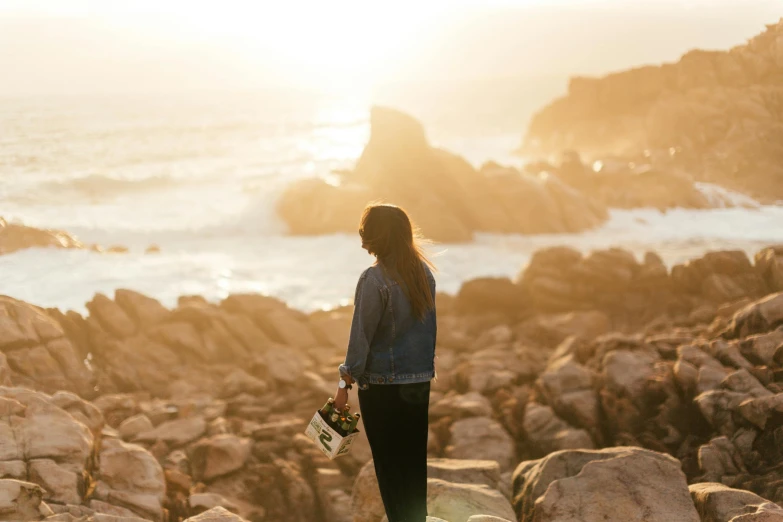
(328, 407)
(354, 422)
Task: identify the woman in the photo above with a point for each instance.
(391, 357)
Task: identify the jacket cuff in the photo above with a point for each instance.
(345, 371)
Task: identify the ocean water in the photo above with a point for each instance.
(198, 175)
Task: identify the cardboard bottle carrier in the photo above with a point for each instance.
(331, 443)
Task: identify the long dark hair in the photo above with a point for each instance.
(389, 234)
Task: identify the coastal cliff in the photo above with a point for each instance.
(718, 115)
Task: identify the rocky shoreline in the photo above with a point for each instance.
(449, 197)
(15, 237)
(452, 200)
(716, 115)
(661, 392)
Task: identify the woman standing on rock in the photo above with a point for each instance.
(391, 357)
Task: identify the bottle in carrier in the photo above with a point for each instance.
(354, 423)
(328, 407)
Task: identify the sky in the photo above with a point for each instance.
(84, 46)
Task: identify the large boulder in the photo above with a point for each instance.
(130, 477)
(609, 484)
(481, 438)
(37, 352)
(458, 502)
(456, 490)
(42, 442)
(448, 197)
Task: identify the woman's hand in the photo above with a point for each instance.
(340, 399)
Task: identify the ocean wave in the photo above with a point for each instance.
(721, 197)
(99, 187)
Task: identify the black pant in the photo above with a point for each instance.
(395, 419)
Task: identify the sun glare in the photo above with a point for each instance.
(350, 45)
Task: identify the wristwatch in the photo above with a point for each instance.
(344, 385)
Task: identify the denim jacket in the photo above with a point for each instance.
(388, 345)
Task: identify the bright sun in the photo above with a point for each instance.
(327, 43)
(342, 42)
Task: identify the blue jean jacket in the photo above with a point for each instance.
(388, 345)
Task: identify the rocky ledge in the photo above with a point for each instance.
(450, 199)
(591, 388)
(15, 237)
(716, 115)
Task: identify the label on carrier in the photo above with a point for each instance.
(332, 444)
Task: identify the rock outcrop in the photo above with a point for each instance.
(563, 292)
(15, 237)
(716, 115)
(449, 199)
